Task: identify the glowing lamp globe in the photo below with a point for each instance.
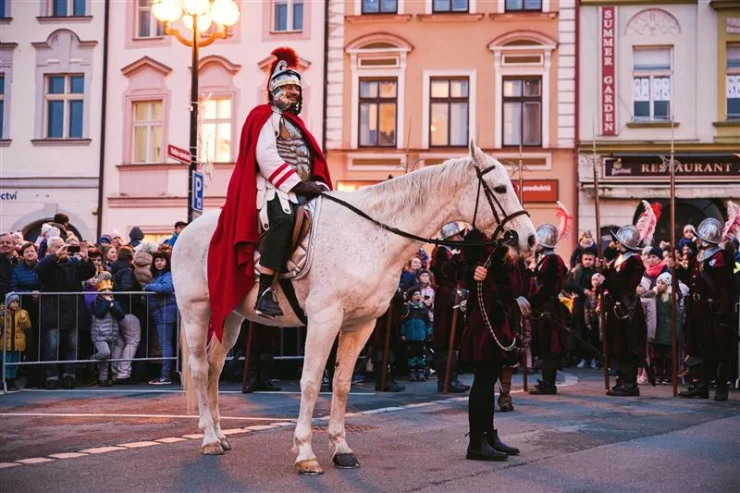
(225, 12)
(166, 10)
(196, 7)
(204, 22)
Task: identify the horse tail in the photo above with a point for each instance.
(186, 378)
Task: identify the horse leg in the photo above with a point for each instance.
(216, 358)
(323, 328)
(195, 334)
(350, 345)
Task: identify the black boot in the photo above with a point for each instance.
(12, 386)
(251, 383)
(627, 390)
(720, 395)
(543, 388)
(505, 404)
(267, 305)
(695, 391)
(390, 384)
(495, 442)
(479, 449)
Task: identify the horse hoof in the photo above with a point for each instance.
(346, 461)
(212, 449)
(309, 467)
(225, 444)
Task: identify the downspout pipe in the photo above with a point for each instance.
(103, 120)
(577, 129)
(326, 74)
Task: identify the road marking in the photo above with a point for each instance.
(35, 460)
(100, 450)
(163, 416)
(67, 455)
(165, 391)
(139, 444)
(171, 440)
(6, 465)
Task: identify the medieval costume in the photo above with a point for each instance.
(710, 328)
(265, 343)
(549, 316)
(625, 321)
(488, 341)
(280, 165)
(447, 268)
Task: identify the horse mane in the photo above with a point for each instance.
(390, 200)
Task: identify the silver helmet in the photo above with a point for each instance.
(628, 236)
(710, 231)
(451, 229)
(547, 235)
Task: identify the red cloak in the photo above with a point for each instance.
(231, 253)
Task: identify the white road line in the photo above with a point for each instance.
(163, 416)
(67, 455)
(35, 460)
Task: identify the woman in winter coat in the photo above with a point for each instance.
(25, 280)
(163, 308)
(130, 326)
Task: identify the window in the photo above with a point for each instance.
(147, 26)
(148, 132)
(524, 5)
(449, 102)
(733, 82)
(3, 10)
(2, 102)
(449, 5)
(378, 108)
(379, 6)
(64, 104)
(288, 15)
(215, 130)
(522, 103)
(651, 84)
(66, 8)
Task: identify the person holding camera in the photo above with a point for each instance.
(64, 268)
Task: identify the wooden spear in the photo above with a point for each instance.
(451, 350)
(247, 353)
(599, 253)
(387, 345)
(674, 278)
(521, 201)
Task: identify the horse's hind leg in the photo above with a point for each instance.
(216, 358)
(195, 326)
(350, 345)
(323, 328)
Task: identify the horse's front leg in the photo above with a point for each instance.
(323, 328)
(350, 345)
(216, 359)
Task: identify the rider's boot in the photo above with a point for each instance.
(267, 305)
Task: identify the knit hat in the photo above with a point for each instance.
(45, 228)
(12, 298)
(115, 234)
(656, 251)
(665, 278)
(105, 240)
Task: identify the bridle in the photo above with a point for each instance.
(501, 218)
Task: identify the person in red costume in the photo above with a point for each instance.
(280, 166)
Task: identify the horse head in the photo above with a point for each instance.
(491, 204)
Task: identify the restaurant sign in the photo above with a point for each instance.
(687, 166)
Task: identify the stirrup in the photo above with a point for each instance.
(267, 305)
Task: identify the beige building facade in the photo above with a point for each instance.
(409, 83)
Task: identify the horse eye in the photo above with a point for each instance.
(500, 189)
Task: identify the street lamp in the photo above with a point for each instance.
(197, 16)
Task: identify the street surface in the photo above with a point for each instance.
(142, 439)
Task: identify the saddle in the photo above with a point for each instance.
(299, 262)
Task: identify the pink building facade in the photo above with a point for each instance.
(148, 104)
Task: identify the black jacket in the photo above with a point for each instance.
(6, 271)
(124, 280)
(63, 312)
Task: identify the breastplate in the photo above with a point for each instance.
(292, 147)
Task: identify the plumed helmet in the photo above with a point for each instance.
(628, 236)
(710, 230)
(283, 72)
(547, 235)
(451, 229)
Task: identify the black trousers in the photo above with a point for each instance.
(276, 245)
(480, 401)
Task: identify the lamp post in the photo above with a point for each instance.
(197, 16)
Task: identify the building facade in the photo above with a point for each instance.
(655, 76)
(51, 80)
(148, 104)
(501, 73)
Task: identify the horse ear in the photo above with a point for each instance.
(478, 157)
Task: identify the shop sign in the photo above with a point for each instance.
(694, 166)
(539, 191)
(608, 84)
(9, 195)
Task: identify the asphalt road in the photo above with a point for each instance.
(579, 440)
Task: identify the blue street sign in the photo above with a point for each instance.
(198, 191)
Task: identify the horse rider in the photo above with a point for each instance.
(447, 268)
(488, 341)
(280, 166)
(625, 320)
(709, 324)
(549, 315)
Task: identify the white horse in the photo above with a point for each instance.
(355, 271)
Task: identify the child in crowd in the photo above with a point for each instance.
(591, 312)
(107, 312)
(688, 237)
(13, 326)
(660, 345)
(416, 330)
(427, 291)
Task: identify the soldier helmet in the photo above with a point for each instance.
(282, 73)
(451, 229)
(710, 231)
(627, 236)
(547, 235)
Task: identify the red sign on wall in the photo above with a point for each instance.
(608, 84)
(538, 191)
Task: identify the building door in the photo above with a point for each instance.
(33, 230)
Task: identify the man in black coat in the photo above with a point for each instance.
(579, 284)
(62, 315)
(7, 263)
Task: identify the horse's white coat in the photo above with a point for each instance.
(354, 274)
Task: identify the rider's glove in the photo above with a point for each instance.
(308, 189)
